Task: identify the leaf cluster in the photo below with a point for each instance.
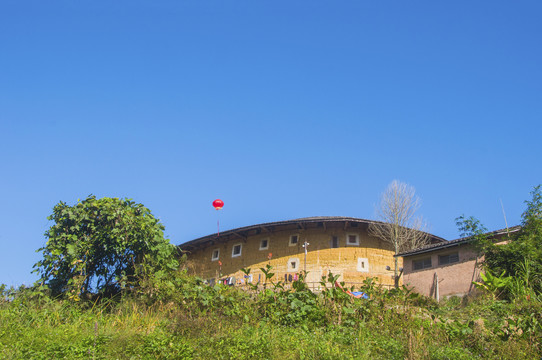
(518, 260)
(97, 246)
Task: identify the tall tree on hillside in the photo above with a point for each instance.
(399, 225)
(99, 245)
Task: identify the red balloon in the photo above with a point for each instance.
(218, 204)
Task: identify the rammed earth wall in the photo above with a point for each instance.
(354, 260)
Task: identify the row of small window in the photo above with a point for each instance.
(293, 265)
(363, 264)
(351, 239)
(442, 260)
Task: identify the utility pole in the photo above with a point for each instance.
(305, 244)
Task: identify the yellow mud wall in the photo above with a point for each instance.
(353, 263)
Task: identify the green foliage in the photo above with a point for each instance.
(474, 229)
(268, 274)
(246, 271)
(494, 284)
(470, 227)
(171, 315)
(99, 245)
(520, 258)
(295, 306)
(161, 345)
(220, 322)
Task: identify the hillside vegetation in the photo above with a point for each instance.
(112, 287)
(193, 321)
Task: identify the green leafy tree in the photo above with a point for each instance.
(102, 246)
(471, 227)
(525, 247)
(521, 257)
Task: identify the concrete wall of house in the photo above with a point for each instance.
(353, 263)
(454, 279)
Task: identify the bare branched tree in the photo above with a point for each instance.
(399, 224)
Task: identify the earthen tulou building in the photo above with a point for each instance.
(339, 245)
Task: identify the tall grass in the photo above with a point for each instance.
(274, 324)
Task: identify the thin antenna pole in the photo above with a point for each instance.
(305, 244)
(218, 223)
(505, 222)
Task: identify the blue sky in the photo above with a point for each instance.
(282, 109)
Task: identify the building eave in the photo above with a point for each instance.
(269, 227)
(456, 242)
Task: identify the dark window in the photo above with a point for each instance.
(421, 264)
(294, 264)
(236, 250)
(352, 239)
(263, 244)
(293, 239)
(448, 259)
(334, 242)
(215, 255)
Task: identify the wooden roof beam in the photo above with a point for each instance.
(239, 235)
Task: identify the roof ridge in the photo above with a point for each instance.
(457, 241)
(283, 222)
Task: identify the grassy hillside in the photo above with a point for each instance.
(188, 320)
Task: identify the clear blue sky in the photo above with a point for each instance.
(283, 109)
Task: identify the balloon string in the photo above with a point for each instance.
(218, 227)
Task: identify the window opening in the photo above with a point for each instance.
(421, 264)
(236, 250)
(215, 255)
(352, 239)
(363, 265)
(448, 259)
(264, 244)
(293, 264)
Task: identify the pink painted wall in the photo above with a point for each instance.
(454, 279)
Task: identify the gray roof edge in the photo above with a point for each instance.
(313, 219)
(456, 242)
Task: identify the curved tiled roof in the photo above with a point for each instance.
(244, 232)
